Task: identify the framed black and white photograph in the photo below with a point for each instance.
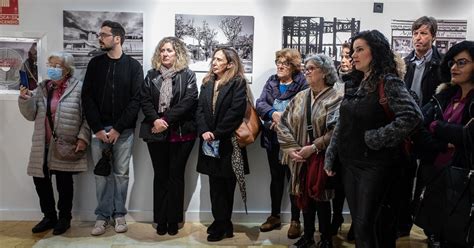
(81, 29)
(449, 33)
(311, 35)
(203, 33)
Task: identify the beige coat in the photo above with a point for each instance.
(68, 121)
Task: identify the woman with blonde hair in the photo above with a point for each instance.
(169, 100)
(221, 109)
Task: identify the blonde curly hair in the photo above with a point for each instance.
(182, 59)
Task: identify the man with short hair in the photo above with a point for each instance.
(423, 62)
(110, 98)
(421, 78)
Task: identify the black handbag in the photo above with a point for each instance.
(104, 165)
(147, 136)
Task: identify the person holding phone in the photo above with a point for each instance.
(63, 105)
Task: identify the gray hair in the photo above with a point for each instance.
(327, 66)
(67, 58)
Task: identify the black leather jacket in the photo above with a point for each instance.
(181, 114)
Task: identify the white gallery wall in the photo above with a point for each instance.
(43, 19)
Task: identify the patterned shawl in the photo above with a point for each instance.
(292, 130)
(166, 90)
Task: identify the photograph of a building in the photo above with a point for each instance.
(81, 29)
(311, 35)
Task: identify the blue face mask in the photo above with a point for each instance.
(55, 73)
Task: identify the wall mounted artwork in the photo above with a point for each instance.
(203, 33)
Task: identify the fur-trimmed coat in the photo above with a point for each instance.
(68, 121)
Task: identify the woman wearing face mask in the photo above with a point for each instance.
(55, 107)
(221, 109)
(169, 101)
(368, 143)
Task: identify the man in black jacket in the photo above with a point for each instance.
(421, 78)
(111, 102)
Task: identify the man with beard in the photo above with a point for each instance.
(110, 99)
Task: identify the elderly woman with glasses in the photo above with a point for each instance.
(448, 137)
(55, 107)
(304, 133)
(277, 92)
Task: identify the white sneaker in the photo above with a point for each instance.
(99, 227)
(120, 225)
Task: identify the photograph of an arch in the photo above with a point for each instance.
(81, 29)
(203, 33)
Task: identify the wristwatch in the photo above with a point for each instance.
(315, 149)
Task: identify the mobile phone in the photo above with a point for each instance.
(24, 79)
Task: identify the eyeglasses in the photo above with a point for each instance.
(310, 69)
(103, 35)
(53, 65)
(460, 63)
(282, 63)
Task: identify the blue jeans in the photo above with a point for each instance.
(111, 191)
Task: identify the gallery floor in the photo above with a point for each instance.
(18, 234)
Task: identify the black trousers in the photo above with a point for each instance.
(222, 197)
(169, 162)
(278, 173)
(340, 195)
(372, 205)
(323, 209)
(44, 189)
(405, 186)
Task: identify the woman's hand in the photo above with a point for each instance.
(296, 157)
(25, 93)
(306, 151)
(208, 136)
(330, 172)
(80, 145)
(159, 125)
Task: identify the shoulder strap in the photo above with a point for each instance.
(383, 99)
(50, 91)
(309, 127)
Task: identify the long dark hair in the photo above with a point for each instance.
(383, 59)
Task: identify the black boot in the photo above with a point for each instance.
(325, 243)
(305, 242)
(172, 229)
(45, 224)
(212, 228)
(161, 229)
(350, 234)
(62, 226)
(223, 230)
(336, 223)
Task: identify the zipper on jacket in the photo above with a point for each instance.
(113, 94)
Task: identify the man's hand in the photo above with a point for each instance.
(208, 136)
(276, 117)
(80, 145)
(102, 136)
(113, 136)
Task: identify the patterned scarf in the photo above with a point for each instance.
(166, 90)
(238, 168)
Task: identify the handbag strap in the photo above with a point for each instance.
(48, 108)
(383, 101)
(309, 125)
